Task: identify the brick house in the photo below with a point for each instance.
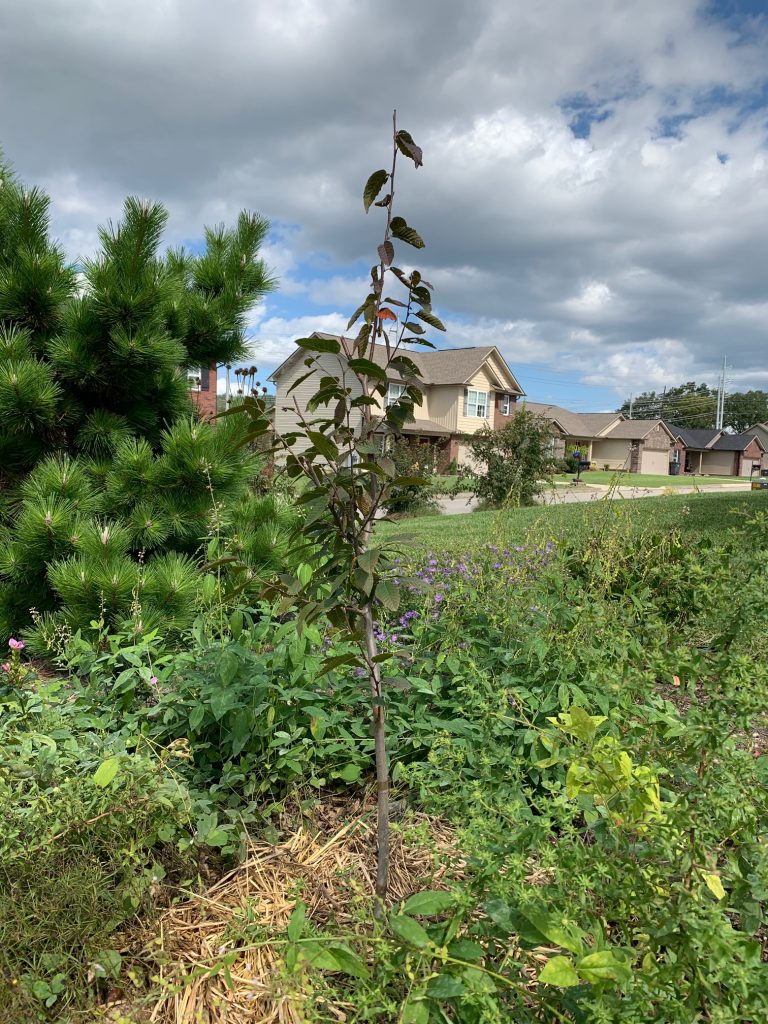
(464, 389)
(608, 440)
(713, 452)
(202, 389)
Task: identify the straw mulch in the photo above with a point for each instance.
(329, 862)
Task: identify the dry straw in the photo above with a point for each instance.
(329, 862)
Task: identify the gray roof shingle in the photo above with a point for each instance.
(575, 424)
(437, 366)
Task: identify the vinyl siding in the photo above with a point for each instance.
(286, 419)
(469, 424)
(443, 403)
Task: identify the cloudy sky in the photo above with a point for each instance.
(594, 195)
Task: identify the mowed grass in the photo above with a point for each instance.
(607, 478)
(695, 514)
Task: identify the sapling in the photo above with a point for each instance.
(340, 450)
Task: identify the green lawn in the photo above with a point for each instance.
(706, 514)
(599, 476)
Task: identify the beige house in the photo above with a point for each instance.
(464, 389)
(609, 440)
(713, 452)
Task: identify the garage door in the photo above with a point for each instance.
(718, 463)
(655, 462)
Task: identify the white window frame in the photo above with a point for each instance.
(195, 376)
(505, 404)
(394, 393)
(477, 404)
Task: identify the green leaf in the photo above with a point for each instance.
(416, 1010)
(304, 574)
(106, 772)
(367, 368)
(320, 345)
(388, 595)
(339, 659)
(554, 931)
(373, 186)
(296, 922)
(429, 902)
(429, 318)
(409, 931)
(323, 445)
(445, 986)
(604, 965)
(299, 380)
(349, 773)
(401, 230)
(465, 949)
(349, 962)
(714, 884)
(217, 837)
(559, 971)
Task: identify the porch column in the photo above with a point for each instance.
(701, 456)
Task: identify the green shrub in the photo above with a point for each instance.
(85, 833)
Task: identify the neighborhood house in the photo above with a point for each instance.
(464, 389)
(608, 440)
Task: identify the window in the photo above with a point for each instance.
(477, 403)
(199, 378)
(504, 405)
(394, 393)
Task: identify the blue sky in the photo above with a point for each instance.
(594, 195)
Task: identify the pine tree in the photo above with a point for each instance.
(109, 483)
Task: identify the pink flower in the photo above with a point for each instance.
(153, 681)
(7, 667)
(16, 645)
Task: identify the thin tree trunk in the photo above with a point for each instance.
(382, 766)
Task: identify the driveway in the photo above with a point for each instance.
(588, 492)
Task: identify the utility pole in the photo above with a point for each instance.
(720, 399)
(631, 403)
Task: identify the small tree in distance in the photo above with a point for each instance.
(347, 467)
(510, 464)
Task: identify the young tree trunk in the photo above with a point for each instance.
(382, 765)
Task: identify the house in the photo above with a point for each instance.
(713, 452)
(609, 440)
(202, 389)
(463, 389)
(760, 431)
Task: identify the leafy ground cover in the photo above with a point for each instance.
(574, 705)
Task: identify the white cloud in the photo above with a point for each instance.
(647, 234)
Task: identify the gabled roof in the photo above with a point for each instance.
(712, 439)
(437, 366)
(576, 424)
(698, 439)
(736, 442)
(636, 430)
